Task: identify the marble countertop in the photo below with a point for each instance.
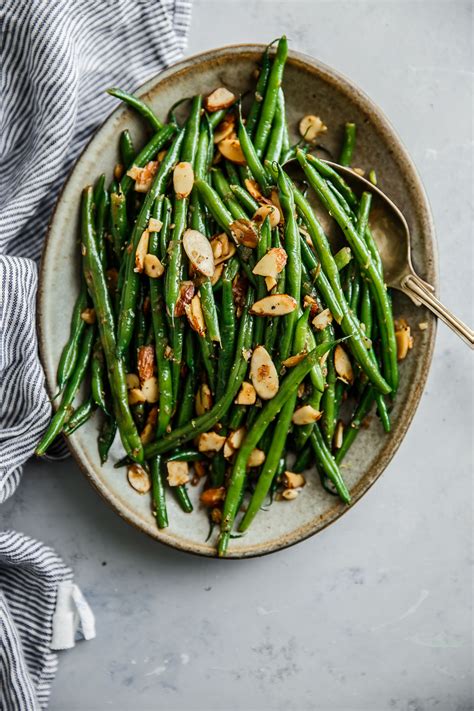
(373, 613)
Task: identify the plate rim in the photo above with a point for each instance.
(371, 475)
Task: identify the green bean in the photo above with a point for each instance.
(127, 151)
(271, 408)
(98, 377)
(303, 459)
(72, 386)
(350, 324)
(158, 492)
(118, 222)
(207, 355)
(139, 106)
(273, 324)
(328, 172)
(328, 464)
(232, 173)
(209, 311)
(205, 422)
(253, 161)
(183, 499)
(95, 279)
(246, 200)
(275, 143)
(131, 277)
(187, 400)
(263, 245)
(70, 351)
(79, 417)
(349, 144)
(106, 437)
(360, 414)
(255, 109)
(343, 258)
(216, 117)
(185, 455)
(101, 203)
(226, 353)
(271, 97)
(147, 153)
(328, 404)
(368, 267)
(319, 278)
(222, 188)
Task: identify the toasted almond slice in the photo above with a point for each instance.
(203, 400)
(257, 457)
(178, 473)
(254, 189)
(224, 257)
(246, 394)
(338, 434)
(294, 359)
(293, 480)
(217, 274)
(404, 342)
(343, 365)
(199, 252)
(423, 325)
(148, 433)
(118, 171)
(145, 362)
(135, 396)
(143, 177)
(301, 390)
(236, 438)
(270, 283)
(132, 380)
(216, 515)
(218, 99)
(274, 305)
(312, 303)
(153, 268)
(183, 180)
(212, 497)
(359, 171)
(138, 478)
(230, 149)
(141, 251)
(225, 128)
(217, 247)
(210, 442)
(289, 494)
(186, 293)
(244, 233)
(195, 315)
(275, 200)
(272, 263)
(88, 316)
(150, 389)
(323, 319)
(263, 374)
(305, 415)
(310, 127)
(154, 225)
(269, 211)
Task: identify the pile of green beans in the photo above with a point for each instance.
(166, 353)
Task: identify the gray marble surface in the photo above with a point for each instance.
(372, 614)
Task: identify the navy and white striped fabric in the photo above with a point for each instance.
(58, 57)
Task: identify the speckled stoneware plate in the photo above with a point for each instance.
(310, 87)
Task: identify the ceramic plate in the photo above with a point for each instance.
(310, 87)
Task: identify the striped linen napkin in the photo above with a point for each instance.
(58, 57)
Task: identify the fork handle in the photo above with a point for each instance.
(416, 289)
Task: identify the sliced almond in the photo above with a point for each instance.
(143, 177)
(272, 263)
(145, 362)
(359, 171)
(275, 200)
(217, 274)
(225, 128)
(294, 359)
(246, 394)
(200, 469)
(224, 257)
(141, 251)
(404, 342)
(322, 320)
(217, 247)
(218, 99)
(256, 459)
(244, 232)
(178, 473)
(263, 374)
(135, 396)
(153, 268)
(132, 380)
(213, 497)
(230, 149)
(150, 389)
(88, 316)
(270, 283)
(311, 127)
(274, 305)
(203, 400)
(338, 435)
(293, 480)
(118, 171)
(301, 390)
(254, 189)
(216, 515)
(312, 303)
(235, 439)
(138, 478)
(343, 365)
(210, 442)
(186, 293)
(269, 211)
(239, 293)
(154, 225)
(290, 494)
(305, 415)
(183, 180)
(423, 325)
(199, 252)
(195, 315)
